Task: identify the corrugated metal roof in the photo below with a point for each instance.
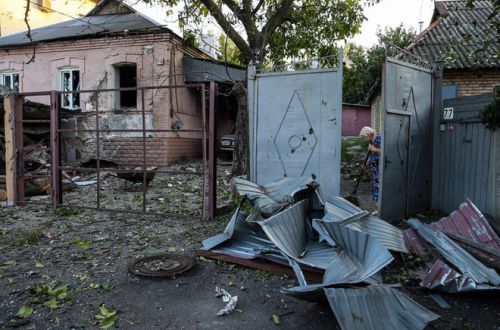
(345, 213)
(84, 27)
(461, 36)
(377, 307)
(452, 252)
(198, 71)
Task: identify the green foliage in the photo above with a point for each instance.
(66, 211)
(364, 68)
(490, 115)
(24, 312)
(106, 318)
(310, 29)
(275, 30)
(229, 52)
(190, 38)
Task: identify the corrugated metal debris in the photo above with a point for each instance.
(444, 240)
(452, 252)
(341, 211)
(291, 224)
(377, 307)
(466, 222)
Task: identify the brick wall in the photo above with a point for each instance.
(160, 151)
(472, 82)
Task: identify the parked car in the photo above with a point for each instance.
(226, 145)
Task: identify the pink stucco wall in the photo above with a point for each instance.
(158, 58)
(354, 117)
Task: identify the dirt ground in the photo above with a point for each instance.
(63, 265)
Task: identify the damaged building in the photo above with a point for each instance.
(113, 47)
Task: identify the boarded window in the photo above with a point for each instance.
(70, 81)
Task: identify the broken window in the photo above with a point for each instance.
(126, 77)
(70, 81)
(10, 79)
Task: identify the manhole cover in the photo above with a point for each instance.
(161, 265)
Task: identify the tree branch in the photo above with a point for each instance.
(256, 9)
(275, 20)
(217, 13)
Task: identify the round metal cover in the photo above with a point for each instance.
(161, 265)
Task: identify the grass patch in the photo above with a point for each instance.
(346, 156)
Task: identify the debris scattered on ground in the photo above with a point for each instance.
(231, 301)
(291, 223)
(442, 239)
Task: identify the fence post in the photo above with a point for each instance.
(212, 161)
(55, 150)
(14, 166)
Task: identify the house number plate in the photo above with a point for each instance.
(447, 113)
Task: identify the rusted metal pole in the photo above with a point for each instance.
(144, 160)
(212, 162)
(55, 150)
(14, 165)
(204, 142)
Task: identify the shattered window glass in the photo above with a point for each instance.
(70, 81)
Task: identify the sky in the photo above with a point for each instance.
(387, 13)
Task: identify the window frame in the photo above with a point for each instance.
(72, 97)
(11, 75)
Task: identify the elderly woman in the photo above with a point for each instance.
(374, 146)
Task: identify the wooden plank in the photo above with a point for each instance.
(311, 276)
(9, 151)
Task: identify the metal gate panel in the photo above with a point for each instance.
(464, 168)
(406, 128)
(295, 126)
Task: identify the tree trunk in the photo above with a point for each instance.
(240, 154)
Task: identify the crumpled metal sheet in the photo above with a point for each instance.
(271, 198)
(360, 259)
(237, 223)
(377, 307)
(240, 240)
(288, 229)
(365, 253)
(443, 278)
(347, 214)
(451, 251)
(468, 222)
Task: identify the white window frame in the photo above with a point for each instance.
(11, 75)
(72, 97)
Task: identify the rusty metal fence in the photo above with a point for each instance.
(143, 133)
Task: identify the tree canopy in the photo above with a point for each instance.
(364, 67)
(276, 30)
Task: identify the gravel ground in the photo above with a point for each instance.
(64, 265)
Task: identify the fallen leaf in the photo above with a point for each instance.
(276, 319)
(39, 265)
(24, 311)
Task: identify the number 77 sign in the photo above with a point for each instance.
(447, 113)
